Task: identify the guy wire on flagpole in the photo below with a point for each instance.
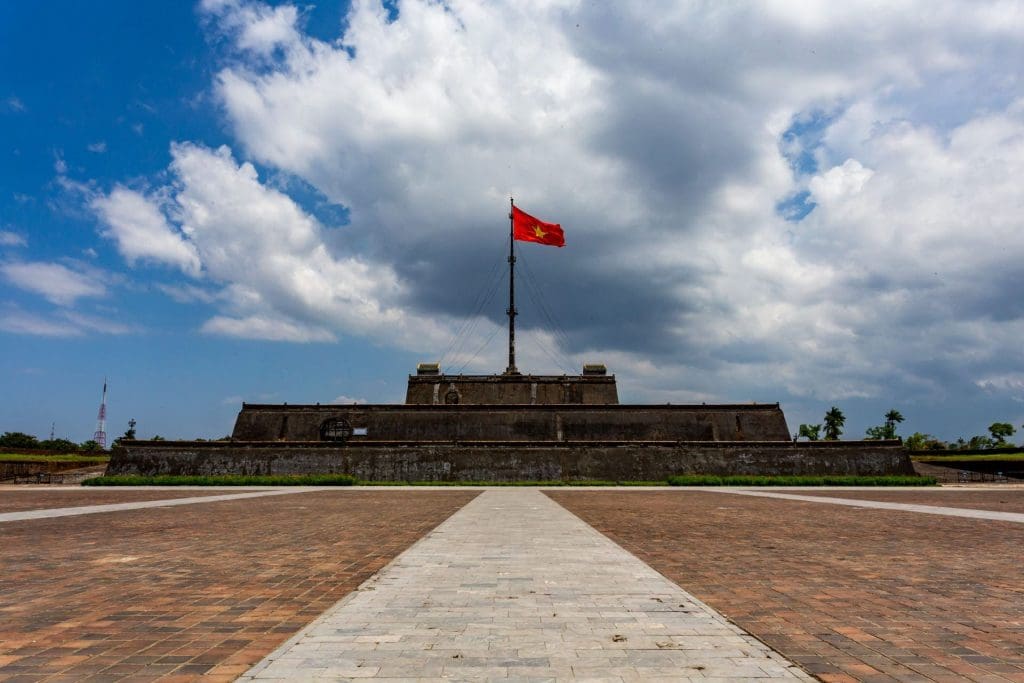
(511, 370)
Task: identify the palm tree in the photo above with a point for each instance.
(812, 432)
(892, 418)
(834, 421)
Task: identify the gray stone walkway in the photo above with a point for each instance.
(884, 505)
(514, 587)
(47, 513)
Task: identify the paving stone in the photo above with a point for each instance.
(482, 593)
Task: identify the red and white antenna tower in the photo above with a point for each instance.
(100, 436)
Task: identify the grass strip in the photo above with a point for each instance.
(323, 480)
(797, 480)
(548, 482)
(1007, 457)
(63, 457)
(223, 480)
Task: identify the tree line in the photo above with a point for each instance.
(831, 428)
(20, 441)
(15, 441)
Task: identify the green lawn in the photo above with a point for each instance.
(1009, 457)
(550, 482)
(223, 480)
(63, 457)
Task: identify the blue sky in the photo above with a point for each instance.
(209, 203)
(104, 90)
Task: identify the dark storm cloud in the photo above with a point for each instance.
(591, 300)
(680, 145)
(675, 111)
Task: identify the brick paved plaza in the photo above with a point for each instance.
(195, 589)
(848, 593)
(510, 586)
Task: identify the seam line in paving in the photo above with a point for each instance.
(138, 505)
(513, 586)
(971, 513)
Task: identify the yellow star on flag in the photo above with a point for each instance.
(537, 232)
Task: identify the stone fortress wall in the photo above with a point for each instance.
(568, 461)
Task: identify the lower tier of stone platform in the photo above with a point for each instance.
(362, 423)
(511, 461)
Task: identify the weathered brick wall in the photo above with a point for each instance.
(10, 470)
(510, 461)
(517, 423)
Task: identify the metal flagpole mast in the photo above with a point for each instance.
(511, 369)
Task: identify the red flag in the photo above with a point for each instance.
(526, 228)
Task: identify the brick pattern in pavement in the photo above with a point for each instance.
(851, 594)
(22, 499)
(198, 590)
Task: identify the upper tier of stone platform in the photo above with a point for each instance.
(430, 387)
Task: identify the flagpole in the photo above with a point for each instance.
(511, 369)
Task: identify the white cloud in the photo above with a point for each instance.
(257, 28)
(270, 329)
(14, 104)
(61, 324)
(12, 239)
(274, 258)
(185, 294)
(279, 278)
(17, 322)
(97, 147)
(57, 283)
(101, 324)
(141, 231)
(1012, 384)
(343, 400)
(839, 182)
